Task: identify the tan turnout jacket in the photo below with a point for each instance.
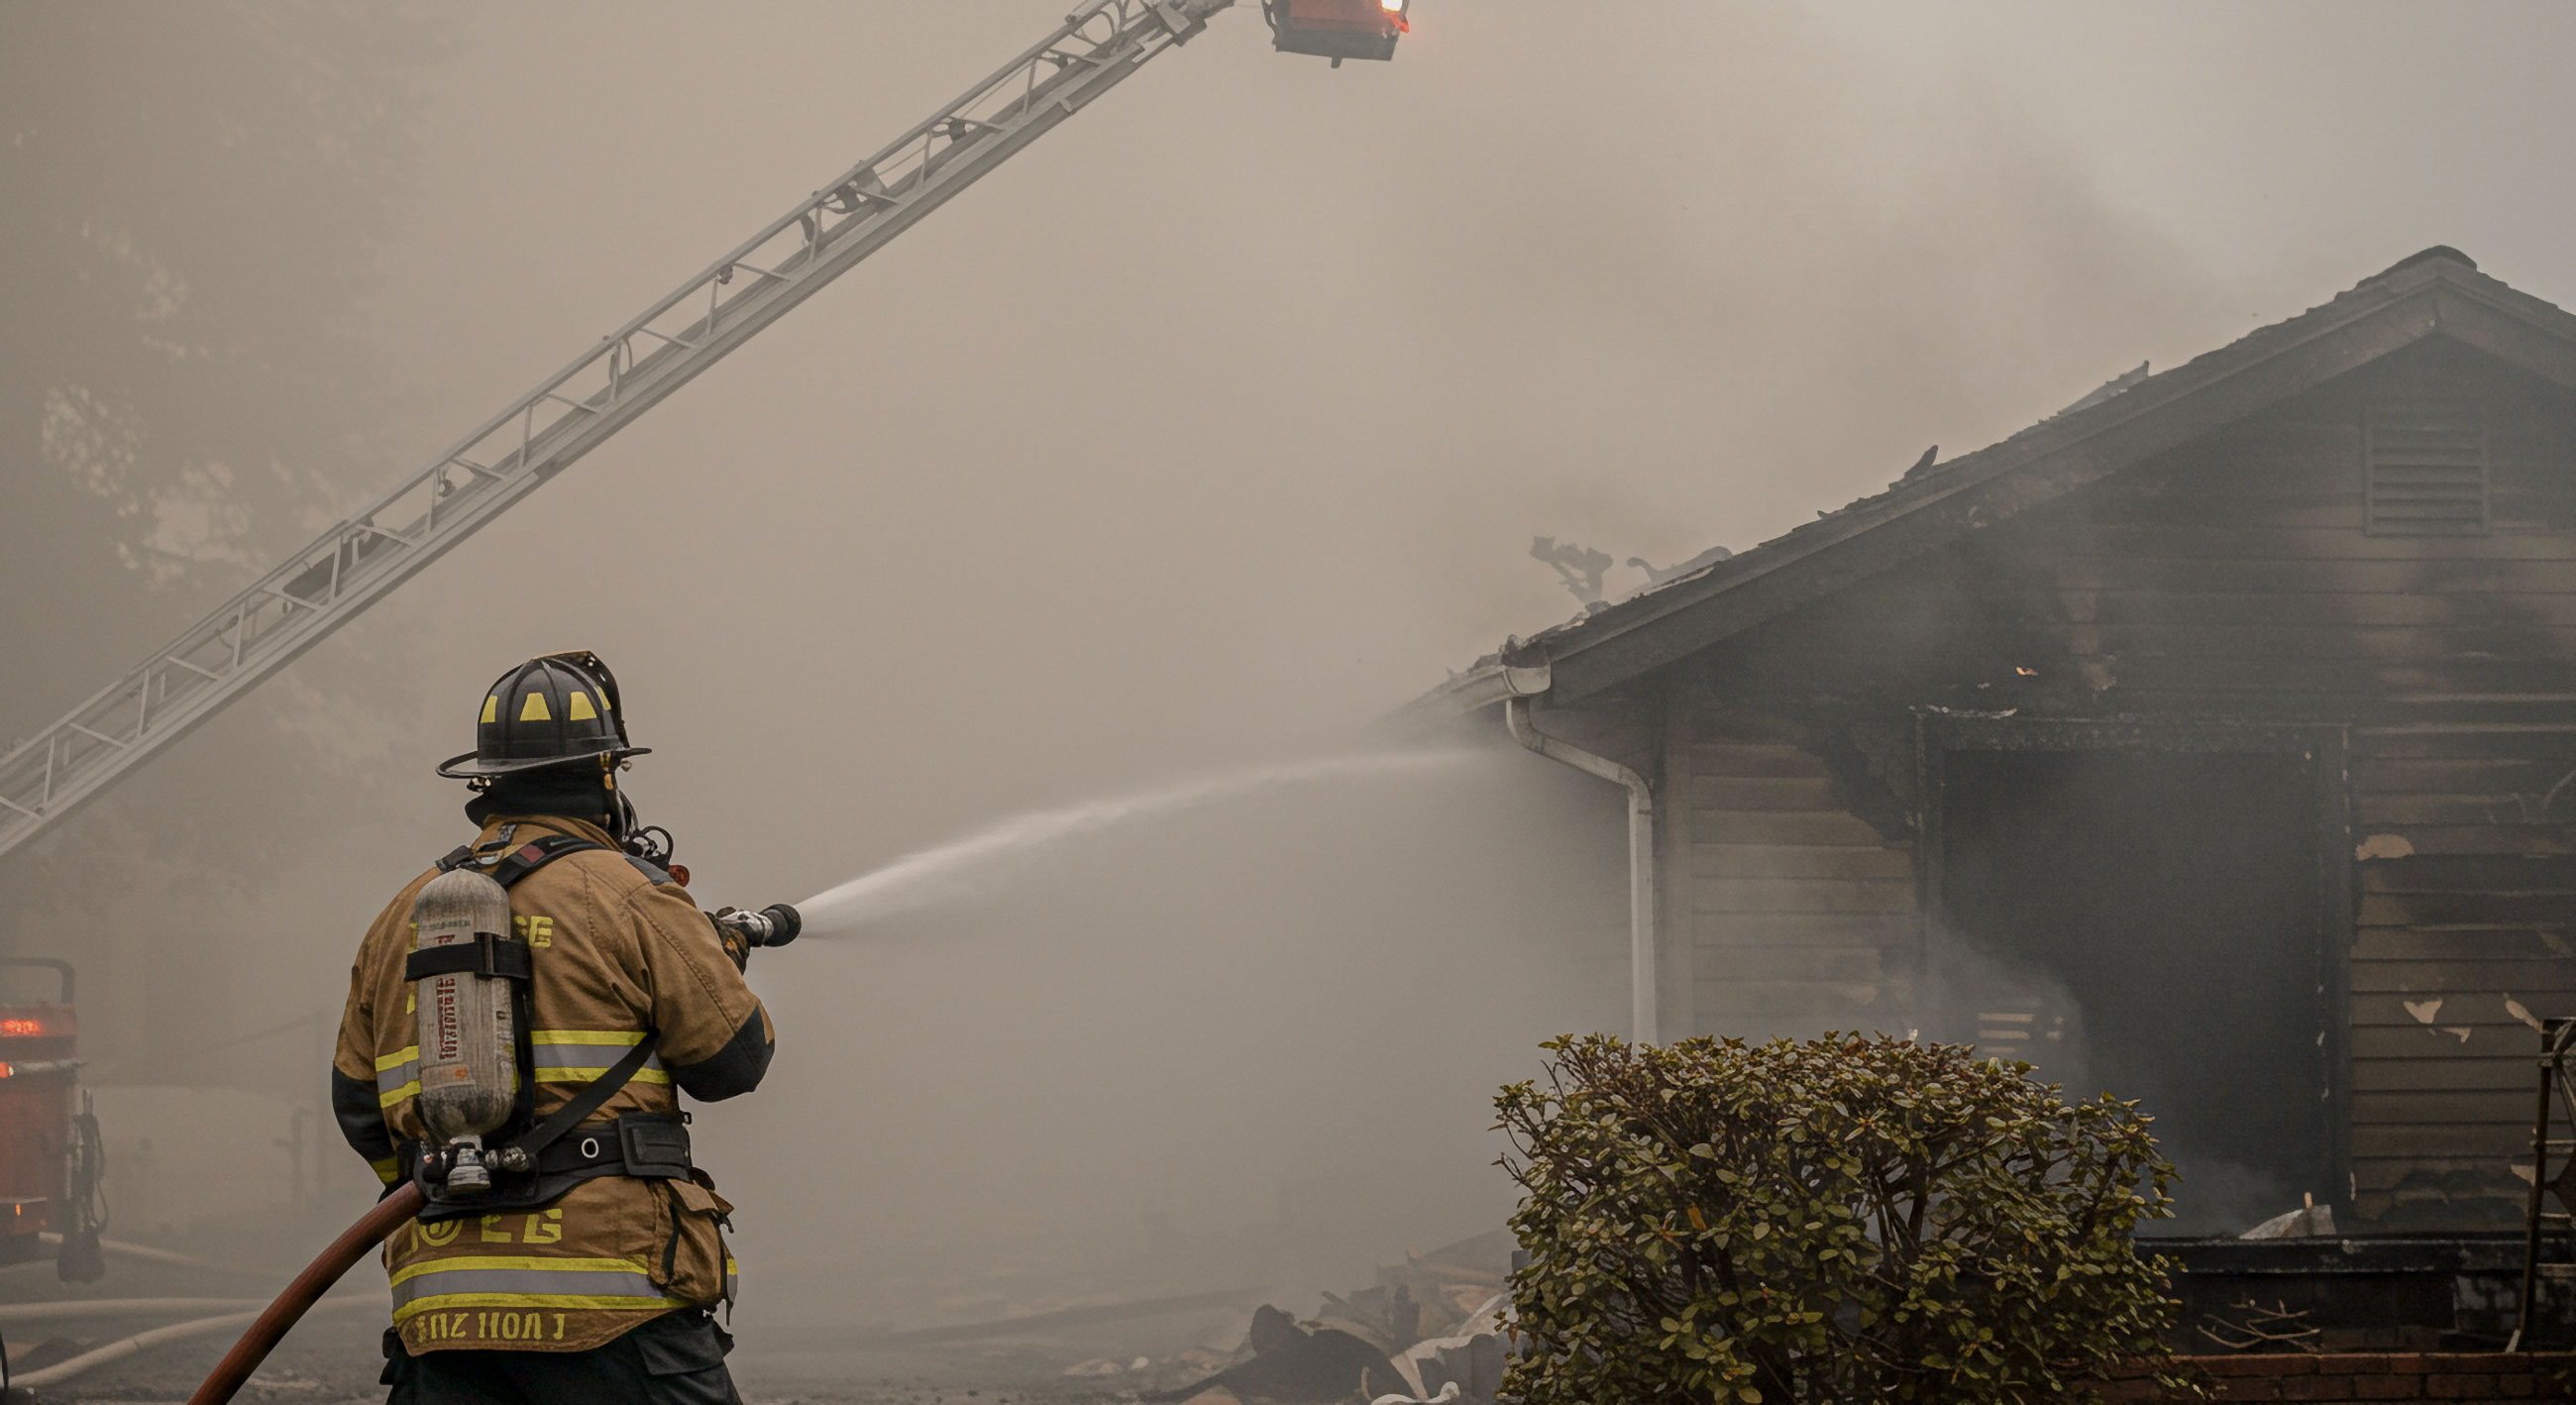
(618, 958)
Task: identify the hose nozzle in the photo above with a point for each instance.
(774, 925)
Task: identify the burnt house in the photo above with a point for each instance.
(2212, 742)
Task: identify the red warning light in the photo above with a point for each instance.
(21, 1027)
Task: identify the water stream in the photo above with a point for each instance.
(980, 861)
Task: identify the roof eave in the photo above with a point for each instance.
(1993, 484)
(1478, 688)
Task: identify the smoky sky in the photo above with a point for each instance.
(1219, 420)
(1207, 430)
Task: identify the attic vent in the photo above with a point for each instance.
(2427, 473)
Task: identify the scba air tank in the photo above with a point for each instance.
(469, 1069)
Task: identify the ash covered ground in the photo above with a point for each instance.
(1093, 1347)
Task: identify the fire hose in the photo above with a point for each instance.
(776, 925)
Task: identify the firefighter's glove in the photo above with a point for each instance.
(737, 946)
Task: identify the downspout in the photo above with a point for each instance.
(1642, 964)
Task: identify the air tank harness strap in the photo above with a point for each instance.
(507, 866)
(489, 954)
(589, 1100)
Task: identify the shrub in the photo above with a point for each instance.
(1841, 1220)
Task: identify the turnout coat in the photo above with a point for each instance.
(621, 955)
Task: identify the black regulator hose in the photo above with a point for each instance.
(263, 1335)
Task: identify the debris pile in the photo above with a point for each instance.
(1432, 1329)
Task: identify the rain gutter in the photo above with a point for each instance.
(1642, 963)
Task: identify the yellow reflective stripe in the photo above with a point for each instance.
(507, 1281)
(558, 1063)
(388, 1170)
(397, 1076)
(530, 1263)
(574, 1068)
(568, 1301)
(575, 1077)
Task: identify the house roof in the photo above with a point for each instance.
(2436, 292)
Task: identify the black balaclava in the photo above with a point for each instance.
(576, 791)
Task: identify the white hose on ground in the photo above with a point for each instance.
(143, 1341)
(13, 1313)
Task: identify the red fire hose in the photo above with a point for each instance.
(263, 1335)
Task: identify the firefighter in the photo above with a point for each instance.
(590, 1273)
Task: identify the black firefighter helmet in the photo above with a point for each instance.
(548, 711)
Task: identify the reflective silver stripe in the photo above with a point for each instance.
(621, 1287)
(398, 1068)
(557, 1063)
(579, 1055)
(397, 1081)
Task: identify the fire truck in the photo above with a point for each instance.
(51, 1161)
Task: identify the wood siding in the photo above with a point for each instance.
(1798, 915)
(2230, 581)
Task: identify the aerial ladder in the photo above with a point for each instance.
(601, 391)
